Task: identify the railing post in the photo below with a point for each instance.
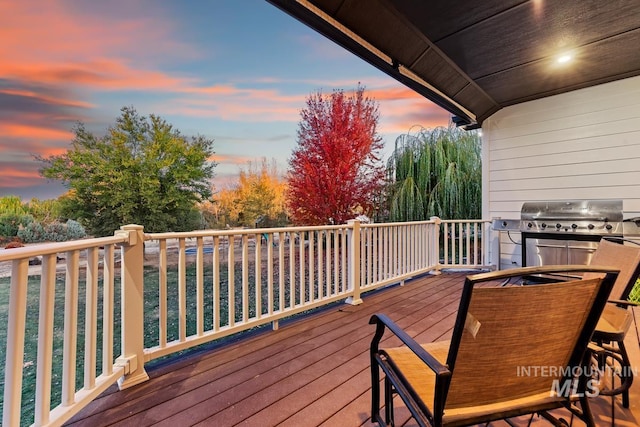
(14, 363)
(132, 303)
(435, 245)
(353, 262)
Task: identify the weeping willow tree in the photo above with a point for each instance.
(435, 172)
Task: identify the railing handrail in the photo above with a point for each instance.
(464, 221)
(42, 249)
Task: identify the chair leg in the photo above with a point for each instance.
(388, 402)
(586, 412)
(375, 391)
(627, 373)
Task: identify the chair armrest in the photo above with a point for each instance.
(623, 303)
(381, 321)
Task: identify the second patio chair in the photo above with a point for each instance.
(616, 318)
(514, 351)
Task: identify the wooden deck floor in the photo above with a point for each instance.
(312, 371)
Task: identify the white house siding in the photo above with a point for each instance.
(583, 144)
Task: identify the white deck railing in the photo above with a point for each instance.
(179, 290)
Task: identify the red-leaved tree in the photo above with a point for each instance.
(335, 171)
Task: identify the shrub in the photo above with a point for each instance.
(35, 232)
(55, 232)
(32, 233)
(75, 230)
(10, 223)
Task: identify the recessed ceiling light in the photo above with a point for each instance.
(563, 59)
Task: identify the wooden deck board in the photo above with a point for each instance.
(312, 371)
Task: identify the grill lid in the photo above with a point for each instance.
(573, 210)
(601, 217)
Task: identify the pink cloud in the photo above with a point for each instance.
(400, 107)
(34, 132)
(57, 29)
(228, 102)
(19, 177)
(100, 74)
(55, 43)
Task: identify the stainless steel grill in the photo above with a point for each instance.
(567, 232)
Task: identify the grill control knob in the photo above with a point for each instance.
(529, 224)
(543, 225)
(591, 226)
(558, 226)
(574, 226)
(608, 226)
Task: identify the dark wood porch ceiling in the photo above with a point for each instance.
(475, 57)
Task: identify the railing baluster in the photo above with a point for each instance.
(281, 268)
(91, 319)
(270, 272)
(292, 270)
(45, 339)
(70, 329)
(370, 279)
(404, 250)
(363, 258)
(311, 255)
(258, 275)
(162, 293)
(182, 290)
(343, 244)
(336, 241)
(320, 260)
(460, 243)
(475, 244)
(108, 299)
(199, 286)
(216, 284)
(245, 277)
(447, 243)
(231, 288)
(327, 262)
(302, 285)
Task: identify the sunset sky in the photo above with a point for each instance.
(236, 71)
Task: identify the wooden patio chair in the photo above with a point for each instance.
(514, 351)
(617, 317)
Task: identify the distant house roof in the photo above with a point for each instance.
(475, 57)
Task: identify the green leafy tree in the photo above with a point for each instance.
(435, 172)
(142, 171)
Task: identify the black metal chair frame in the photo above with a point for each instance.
(395, 381)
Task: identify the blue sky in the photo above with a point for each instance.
(236, 71)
